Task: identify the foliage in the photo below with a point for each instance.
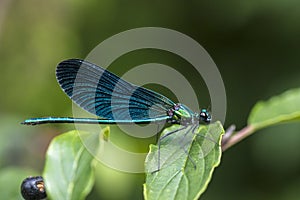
(68, 170)
(186, 171)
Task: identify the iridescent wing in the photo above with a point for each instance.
(106, 95)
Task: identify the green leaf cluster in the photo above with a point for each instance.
(180, 167)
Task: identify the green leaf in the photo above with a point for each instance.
(187, 161)
(68, 170)
(281, 108)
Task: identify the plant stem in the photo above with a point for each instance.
(238, 136)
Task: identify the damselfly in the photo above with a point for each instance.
(115, 100)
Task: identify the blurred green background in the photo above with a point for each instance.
(255, 45)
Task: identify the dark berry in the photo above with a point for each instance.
(33, 188)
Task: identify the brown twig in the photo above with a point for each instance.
(229, 141)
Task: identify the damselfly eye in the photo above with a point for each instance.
(33, 188)
(205, 116)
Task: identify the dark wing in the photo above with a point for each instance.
(106, 95)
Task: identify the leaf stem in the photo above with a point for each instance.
(237, 137)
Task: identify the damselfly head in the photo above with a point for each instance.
(204, 116)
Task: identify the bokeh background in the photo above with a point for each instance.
(255, 45)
